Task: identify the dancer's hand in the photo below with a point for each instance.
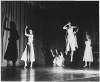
(77, 29)
(65, 27)
(26, 26)
(51, 50)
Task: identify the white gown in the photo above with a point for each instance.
(59, 60)
(88, 56)
(71, 40)
(24, 55)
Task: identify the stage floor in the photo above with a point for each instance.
(47, 73)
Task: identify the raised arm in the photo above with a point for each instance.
(4, 26)
(52, 53)
(65, 27)
(76, 30)
(26, 32)
(87, 36)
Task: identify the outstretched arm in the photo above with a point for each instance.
(4, 26)
(74, 26)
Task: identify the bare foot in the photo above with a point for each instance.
(85, 66)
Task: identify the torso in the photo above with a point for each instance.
(30, 39)
(70, 32)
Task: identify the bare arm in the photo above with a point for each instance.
(87, 36)
(26, 32)
(76, 31)
(65, 27)
(52, 53)
(73, 26)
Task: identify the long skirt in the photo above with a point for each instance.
(88, 56)
(11, 52)
(71, 42)
(32, 55)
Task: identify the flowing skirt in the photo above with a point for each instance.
(88, 56)
(71, 42)
(24, 55)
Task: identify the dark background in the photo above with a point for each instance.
(47, 19)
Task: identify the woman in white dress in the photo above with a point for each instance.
(88, 56)
(28, 54)
(60, 61)
(71, 39)
(58, 58)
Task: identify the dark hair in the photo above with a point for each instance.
(67, 26)
(12, 24)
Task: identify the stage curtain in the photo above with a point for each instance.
(22, 13)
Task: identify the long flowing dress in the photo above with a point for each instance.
(24, 55)
(71, 40)
(88, 56)
(11, 52)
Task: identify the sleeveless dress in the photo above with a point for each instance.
(88, 56)
(71, 40)
(24, 55)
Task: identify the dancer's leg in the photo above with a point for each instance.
(28, 53)
(25, 64)
(85, 64)
(71, 56)
(89, 64)
(63, 63)
(31, 64)
(30, 56)
(67, 48)
(66, 52)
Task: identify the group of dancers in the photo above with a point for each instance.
(28, 54)
(11, 52)
(71, 44)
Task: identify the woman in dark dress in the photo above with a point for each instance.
(11, 52)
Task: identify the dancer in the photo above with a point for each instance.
(88, 56)
(11, 52)
(28, 54)
(58, 58)
(61, 60)
(71, 39)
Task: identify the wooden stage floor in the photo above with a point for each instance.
(47, 73)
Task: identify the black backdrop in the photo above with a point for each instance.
(47, 20)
